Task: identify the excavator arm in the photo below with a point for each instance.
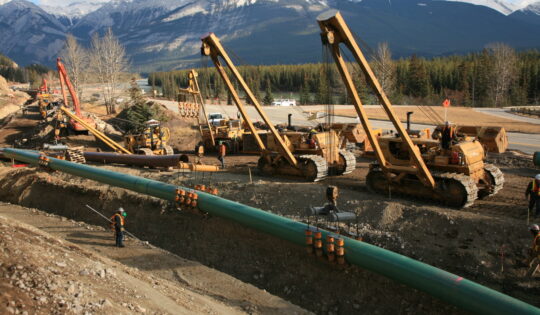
(212, 47)
(64, 79)
(334, 31)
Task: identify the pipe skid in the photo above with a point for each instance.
(446, 286)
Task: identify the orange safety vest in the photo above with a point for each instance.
(535, 189)
(536, 244)
(222, 150)
(113, 223)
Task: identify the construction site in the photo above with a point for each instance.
(321, 210)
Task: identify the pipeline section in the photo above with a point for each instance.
(448, 287)
(136, 159)
(536, 158)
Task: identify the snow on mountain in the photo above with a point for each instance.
(74, 9)
(532, 8)
(505, 7)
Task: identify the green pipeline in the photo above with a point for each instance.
(536, 158)
(448, 287)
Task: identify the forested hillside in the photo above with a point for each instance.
(496, 76)
(12, 72)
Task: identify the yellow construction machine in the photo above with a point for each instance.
(416, 167)
(494, 139)
(219, 129)
(311, 156)
(151, 141)
(44, 99)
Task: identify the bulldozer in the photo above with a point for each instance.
(151, 141)
(410, 166)
(311, 156)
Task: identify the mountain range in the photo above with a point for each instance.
(165, 34)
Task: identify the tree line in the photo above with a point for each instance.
(496, 76)
(30, 74)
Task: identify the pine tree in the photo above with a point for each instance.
(305, 97)
(268, 97)
(141, 111)
(418, 80)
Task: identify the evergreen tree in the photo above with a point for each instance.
(418, 80)
(305, 97)
(140, 110)
(268, 97)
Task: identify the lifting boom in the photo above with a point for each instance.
(334, 31)
(212, 47)
(194, 90)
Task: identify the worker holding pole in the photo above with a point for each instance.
(533, 193)
(117, 223)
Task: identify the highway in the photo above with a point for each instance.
(527, 143)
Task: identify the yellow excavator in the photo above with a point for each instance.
(312, 156)
(417, 167)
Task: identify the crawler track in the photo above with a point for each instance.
(497, 177)
(315, 167)
(350, 161)
(453, 190)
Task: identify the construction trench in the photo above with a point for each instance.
(234, 238)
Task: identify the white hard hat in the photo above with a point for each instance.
(537, 177)
(120, 209)
(534, 227)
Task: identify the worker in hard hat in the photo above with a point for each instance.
(447, 136)
(534, 251)
(117, 224)
(533, 193)
(222, 150)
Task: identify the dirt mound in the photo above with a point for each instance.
(184, 134)
(4, 88)
(40, 274)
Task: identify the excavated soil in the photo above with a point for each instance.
(485, 243)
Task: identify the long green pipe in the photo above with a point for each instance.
(448, 287)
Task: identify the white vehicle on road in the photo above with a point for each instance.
(284, 102)
(215, 119)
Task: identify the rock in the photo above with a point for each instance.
(106, 303)
(61, 264)
(102, 273)
(140, 309)
(71, 289)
